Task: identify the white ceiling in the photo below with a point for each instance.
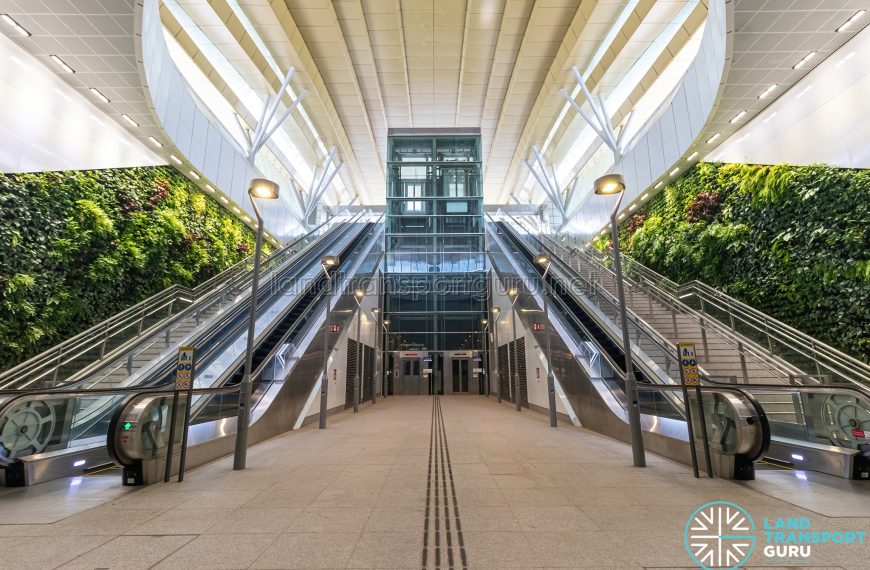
(370, 65)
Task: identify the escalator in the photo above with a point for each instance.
(812, 427)
(588, 364)
(39, 428)
(607, 342)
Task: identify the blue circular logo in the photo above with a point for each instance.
(719, 535)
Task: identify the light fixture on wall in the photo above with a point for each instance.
(805, 59)
(737, 117)
(12, 23)
(174, 159)
(193, 174)
(100, 97)
(768, 91)
(61, 64)
(848, 24)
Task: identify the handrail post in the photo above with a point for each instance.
(105, 339)
(704, 340)
(743, 362)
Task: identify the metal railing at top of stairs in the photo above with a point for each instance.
(818, 362)
(102, 342)
(658, 347)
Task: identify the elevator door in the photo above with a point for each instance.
(460, 376)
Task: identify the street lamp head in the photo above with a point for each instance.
(512, 292)
(495, 310)
(542, 259)
(329, 261)
(484, 321)
(386, 322)
(609, 184)
(263, 188)
(359, 293)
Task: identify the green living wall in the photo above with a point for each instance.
(793, 242)
(77, 247)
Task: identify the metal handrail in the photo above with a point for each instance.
(823, 356)
(49, 362)
(664, 289)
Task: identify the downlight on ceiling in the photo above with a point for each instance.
(130, 121)
(806, 58)
(714, 138)
(194, 174)
(19, 29)
(674, 171)
(61, 64)
(155, 142)
(209, 187)
(858, 15)
(174, 159)
(768, 91)
(692, 156)
(737, 117)
(96, 93)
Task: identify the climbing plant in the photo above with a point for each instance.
(79, 246)
(791, 241)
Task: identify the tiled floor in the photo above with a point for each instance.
(356, 496)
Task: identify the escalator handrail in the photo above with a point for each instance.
(665, 344)
(211, 297)
(748, 396)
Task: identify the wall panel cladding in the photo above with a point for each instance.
(791, 241)
(79, 246)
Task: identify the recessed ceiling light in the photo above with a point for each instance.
(737, 117)
(194, 174)
(692, 156)
(632, 208)
(714, 138)
(209, 187)
(155, 142)
(775, 113)
(857, 16)
(644, 197)
(621, 216)
(768, 91)
(174, 159)
(130, 121)
(674, 171)
(99, 95)
(224, 200)
(61, 64)
(806, 58)
(660, 184)
(10, 21)
(247, 219)
(236, 210)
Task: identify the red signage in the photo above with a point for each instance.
(860, 434)
(336, 328)
(537, 327)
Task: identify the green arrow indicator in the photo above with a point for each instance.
(128, 426)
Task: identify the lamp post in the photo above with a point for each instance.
(513, 295)
(544, 259)
(386, 325)
(609, 185)
(487, 347)
(497, 312)
(358, 296)
(265, 190)
(326, 263)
